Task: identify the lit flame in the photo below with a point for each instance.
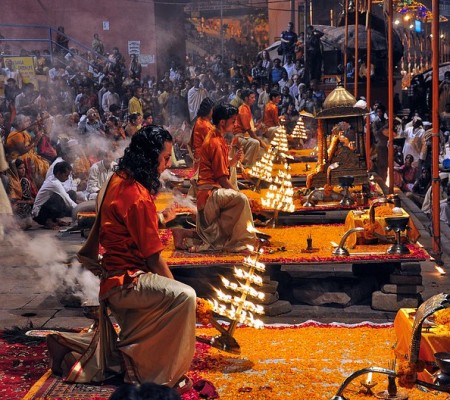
(440, 269)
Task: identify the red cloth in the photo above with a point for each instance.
(128, 231)
(213, 165)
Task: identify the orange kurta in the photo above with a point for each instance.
(270, 117)
(213, 165)
(128, 231)
(201, 128)
(244, 120)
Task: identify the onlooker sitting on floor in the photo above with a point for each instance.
(420, 187)
(426, 207)
(407, 174)
(100, 173)
(52, 201)
(21, 193)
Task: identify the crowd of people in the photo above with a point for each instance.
(84, 112)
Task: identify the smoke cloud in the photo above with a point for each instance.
(45, 253)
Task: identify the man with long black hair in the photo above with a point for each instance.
(155, 313)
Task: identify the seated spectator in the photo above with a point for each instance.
(20, 144)
(67, 151)
(20, 192)
(133, 125)
(114, 129)
(147, 119)
(407, 174)
(420, 187)
(426, 206)
(52, 201)
(91, 124)
(100, 173)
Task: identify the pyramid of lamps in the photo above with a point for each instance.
(299, 131)
(280, 194)
(236, 307)
(278, 147)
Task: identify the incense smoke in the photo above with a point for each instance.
(49, 260)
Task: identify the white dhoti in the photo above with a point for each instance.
(251, 149)
(223, 222)
(156, 340)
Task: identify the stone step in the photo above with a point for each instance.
(269, 287)
(277, 308)
(402, 289)
(408, 269)
(393, 302)
(405, 279)
(269, 298)
(331, 291)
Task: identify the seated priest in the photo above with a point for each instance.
(223, 212)
(245, 131)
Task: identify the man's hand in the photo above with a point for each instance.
(238, 157)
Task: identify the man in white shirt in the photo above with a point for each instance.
(10, 72)
(109, 98)
(52, 201)
(67, 153)
(289, 66)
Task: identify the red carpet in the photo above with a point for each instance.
(21, 365)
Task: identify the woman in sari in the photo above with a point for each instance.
(21, 193)
(20, 144)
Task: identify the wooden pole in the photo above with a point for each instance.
(391, 97)
(345, 44)
(355, 89)
(435, 188)
(368, 81)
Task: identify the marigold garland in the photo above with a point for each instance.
(384, 211)
(442, 317)
(204, 311)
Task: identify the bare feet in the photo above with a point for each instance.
(57, 353)
(180, 235)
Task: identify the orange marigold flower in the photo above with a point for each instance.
(384, 210)
(204, 311)
(442, 317)
(407, 373)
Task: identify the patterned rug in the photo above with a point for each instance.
(306, 361)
